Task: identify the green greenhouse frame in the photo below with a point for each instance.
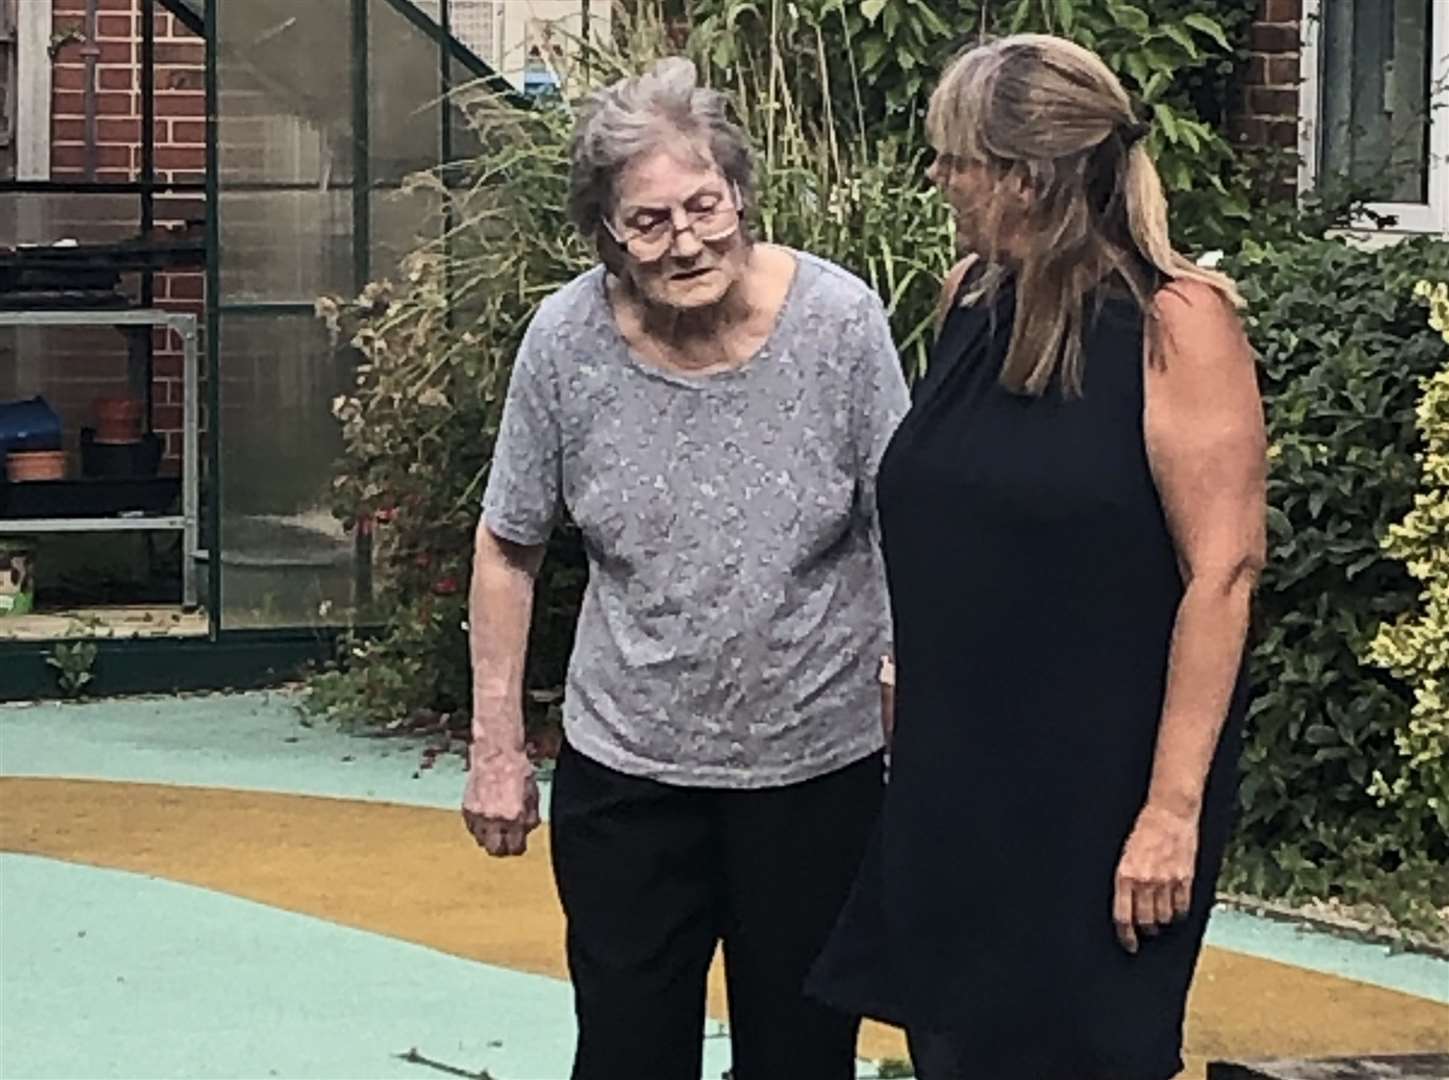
(316, 115)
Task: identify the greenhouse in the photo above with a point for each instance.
(165, 383)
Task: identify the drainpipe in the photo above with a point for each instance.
(91, 51)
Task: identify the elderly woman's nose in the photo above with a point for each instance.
(686, 244)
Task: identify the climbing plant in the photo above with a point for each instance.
(1415, 647)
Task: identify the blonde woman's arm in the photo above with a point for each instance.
(1208, 452)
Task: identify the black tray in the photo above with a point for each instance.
(128, 461)
(90, 498)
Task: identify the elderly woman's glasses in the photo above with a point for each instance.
(649, 234)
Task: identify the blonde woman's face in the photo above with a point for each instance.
(983, 201)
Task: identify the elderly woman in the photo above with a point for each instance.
(710, 411)
(1073, 521)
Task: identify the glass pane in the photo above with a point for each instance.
(284, 78)
(285, 245)
(35, 218)
(286, 561)
(466, 143)
(401, 221)
(71, 368)
(285, 141)
(1376, 78)
(406, 117)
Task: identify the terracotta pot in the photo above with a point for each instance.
(118, 420)
(22, 466)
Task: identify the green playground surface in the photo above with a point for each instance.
(206, 887)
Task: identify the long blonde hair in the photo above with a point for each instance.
(1048, 115)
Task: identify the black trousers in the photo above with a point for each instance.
(654, 876)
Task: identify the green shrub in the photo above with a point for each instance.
(437, 351)
(418, 429)
(1178, 62)
(1416, 647)
(1343, 351)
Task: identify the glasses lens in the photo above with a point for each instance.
(651, 245)
(716, 223)
(654, 241)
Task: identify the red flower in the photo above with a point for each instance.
(447, 586)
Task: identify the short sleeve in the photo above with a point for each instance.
(881, 400)
(521, 501)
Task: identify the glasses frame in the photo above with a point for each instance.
(628, 243)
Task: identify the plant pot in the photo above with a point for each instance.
(17, 577)
(118, 421)
(25, 466)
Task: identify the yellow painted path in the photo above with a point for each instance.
(413, 874)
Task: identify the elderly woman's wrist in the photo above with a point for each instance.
(497, 729)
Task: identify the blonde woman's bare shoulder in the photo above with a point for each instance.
(1198, 324)
(951, 287)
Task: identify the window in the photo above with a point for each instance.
(25, 27)
(1376, 104)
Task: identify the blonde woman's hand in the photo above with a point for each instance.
(500, 803)
(1153, 886)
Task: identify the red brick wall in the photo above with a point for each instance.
(180, 99)
(1270, 102)
(180, 143)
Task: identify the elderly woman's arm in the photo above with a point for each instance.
(882, 400)
(521, 502)
(500, 804)
(1208, 452)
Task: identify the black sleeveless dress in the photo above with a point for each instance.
(1034, 588)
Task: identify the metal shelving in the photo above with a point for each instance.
(188, 523)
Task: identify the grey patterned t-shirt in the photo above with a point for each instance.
(736, 610)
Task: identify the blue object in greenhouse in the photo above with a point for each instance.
(538, 78)
(29, 425)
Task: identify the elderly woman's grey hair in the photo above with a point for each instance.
(663, 108)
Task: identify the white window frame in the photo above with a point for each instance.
(1429, 217)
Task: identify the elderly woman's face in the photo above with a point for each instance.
(679, 220)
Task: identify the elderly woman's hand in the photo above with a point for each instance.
(887, 679)
(1154, 875)
(500, 803)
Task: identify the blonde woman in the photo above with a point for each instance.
(1073, 522)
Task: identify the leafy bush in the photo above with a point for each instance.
(1178, 62)
(437, 350)
(1416, 647)
(418, 430)
(1343, 349)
